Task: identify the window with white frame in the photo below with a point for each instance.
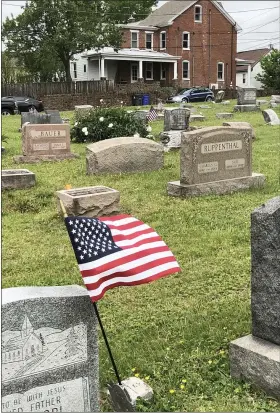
(149, 71)
(244, 78)
(163, 40)
(149, 40)
(134, 72)
(186, 40)
(198, 14)
(85, 68)
(75, 70)
(186, 69)
(220, 71)
(134, 40)
(162, 71)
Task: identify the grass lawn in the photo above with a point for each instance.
(174, 332)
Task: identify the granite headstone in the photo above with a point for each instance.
(219, 97)
(49, 350)
(176, 119)
(271, 117)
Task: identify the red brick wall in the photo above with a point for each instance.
(223, 41)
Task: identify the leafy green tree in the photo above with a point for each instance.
(270, 65)
(50, 32)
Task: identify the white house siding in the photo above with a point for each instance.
(92, 69)
(253, 82)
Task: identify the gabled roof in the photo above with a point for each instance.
(166, 14)
(254, 55)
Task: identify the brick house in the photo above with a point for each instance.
(190, 43)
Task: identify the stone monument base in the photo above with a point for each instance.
(226, 186)
(44, 158)
(257, 361)
(246, 108)
(17, 179)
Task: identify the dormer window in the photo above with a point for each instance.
(134, 40)
(149, 40)
(198, 14)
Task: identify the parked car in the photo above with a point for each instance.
(197, 94)
(8, 107)
(26, 103)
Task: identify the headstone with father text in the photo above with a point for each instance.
(246, 100)
(215, 160)
(45, 142)
(49, 350)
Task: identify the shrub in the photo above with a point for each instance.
(105, 123)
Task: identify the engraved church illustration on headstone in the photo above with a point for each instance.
(29, 351)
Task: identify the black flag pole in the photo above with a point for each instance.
(99, 320)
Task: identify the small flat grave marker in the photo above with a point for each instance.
(17, 179)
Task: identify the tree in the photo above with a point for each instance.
(51, 32)
(73, 346)
(270, 65)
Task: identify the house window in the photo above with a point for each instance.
(220, 71)
(198, 14)
(186, 40)
(163, 40)
(75, 70)
(162, 71)
(149, 71)
(134, 72)
(134, 40)
(244, 78)
(185, 69)
(85, 68)
(149, 40)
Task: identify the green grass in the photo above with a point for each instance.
(177, 328)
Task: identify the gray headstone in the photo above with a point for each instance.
(35, 118)
(246, 96)
(49, 350)
(265, 244)
(171, 139)
(55, 116)
(271, 117)
(176, 119)
(220, 96)
(17, 178)
(224, 115)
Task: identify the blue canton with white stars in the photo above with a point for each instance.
(91, 239)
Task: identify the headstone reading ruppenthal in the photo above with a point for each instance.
(215, 160)
(219, 97)
(256, 357)
(92, 201)
(45, 143)
(246, 100)
(125, 154)
(271, 117)
(17, 179)
(49, 350)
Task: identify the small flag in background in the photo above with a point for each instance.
(118, 250)
(152, 115)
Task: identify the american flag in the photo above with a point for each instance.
(118, 250)
(152, 115)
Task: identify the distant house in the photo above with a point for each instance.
(22, 347)
(190, 43)
(246, 73)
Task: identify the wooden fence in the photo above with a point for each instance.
(39, 90)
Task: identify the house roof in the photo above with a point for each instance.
(166, 14)
(129, 54)
(254, 55)
(15, 343)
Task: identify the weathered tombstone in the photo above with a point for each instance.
(199, 118)
(176, 119)
(205, 107)
(82, 110)
(271, 117)
(55, 116)
(224, 115)
(246, 100)
(241, 125)
(45, 143)
(215, 160)
(35, 118)
(125, 154)
(17, 179)
(160, 106)
(273, 104)
(93, 201)
(256, 357)
(219, 97)
(49, 350)
(171, 139)
(261, 101)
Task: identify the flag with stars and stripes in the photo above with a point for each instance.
(118, 250)
(152, 115)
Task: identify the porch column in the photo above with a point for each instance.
(175, 70)
(249, 76)
(140, 70)
(102, 69)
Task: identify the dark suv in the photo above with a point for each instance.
(8, 107)
(26, 103)
(196, 94)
